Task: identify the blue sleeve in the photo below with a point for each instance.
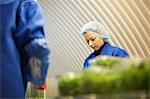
(87, 63)
(31, 40)
(120, 53)
(39, 61)
(30, 22)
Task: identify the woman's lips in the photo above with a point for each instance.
(93, 47)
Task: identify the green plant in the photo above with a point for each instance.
(106, 62)
(136, 77)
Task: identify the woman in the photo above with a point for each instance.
(96, 36)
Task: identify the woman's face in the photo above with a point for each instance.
(93, 40)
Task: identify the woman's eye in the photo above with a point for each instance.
(93, 39)
(88, 42)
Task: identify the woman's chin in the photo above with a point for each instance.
(95, 49)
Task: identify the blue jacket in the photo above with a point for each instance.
(21, 22)
(106, 50)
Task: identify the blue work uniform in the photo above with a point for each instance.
(21, 22)
(106, 50)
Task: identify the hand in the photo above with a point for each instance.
(42, 87)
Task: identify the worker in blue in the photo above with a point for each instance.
(24, 52)
(97, 37)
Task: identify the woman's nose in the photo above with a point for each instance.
(90, 43)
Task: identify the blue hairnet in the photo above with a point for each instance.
(97, 28)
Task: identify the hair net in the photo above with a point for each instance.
(97, 28)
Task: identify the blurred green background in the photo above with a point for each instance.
(109, 76)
